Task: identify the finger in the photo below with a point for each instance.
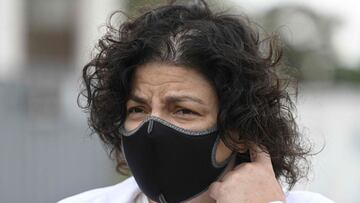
(260, 155)
(214, 190)
(228, 175)
(239, 166)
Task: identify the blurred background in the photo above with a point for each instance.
(46, 153)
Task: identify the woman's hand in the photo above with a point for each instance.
(252, 182)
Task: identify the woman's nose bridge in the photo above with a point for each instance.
(156, 113)
(157, 110)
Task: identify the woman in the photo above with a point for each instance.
(190, 103)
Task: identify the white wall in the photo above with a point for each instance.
(12, 38)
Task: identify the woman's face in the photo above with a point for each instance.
(176, 94)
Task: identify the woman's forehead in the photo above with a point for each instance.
(158, 72)
(157, 75)
(172, 82)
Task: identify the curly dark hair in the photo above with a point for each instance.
(254, 98)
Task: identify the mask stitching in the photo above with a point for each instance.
(150, 126)
(162, 199)
(179, 129)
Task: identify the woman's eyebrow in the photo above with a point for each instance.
(182, 98)
(138, 99)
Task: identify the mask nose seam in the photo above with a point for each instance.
(162, 198)
(150, 126)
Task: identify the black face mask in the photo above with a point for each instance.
(171, 164)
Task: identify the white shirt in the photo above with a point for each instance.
(129, 192)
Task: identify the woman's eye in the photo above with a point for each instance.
(135, 110)
(186, 112)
